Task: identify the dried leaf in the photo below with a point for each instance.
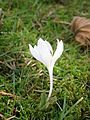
(81, 27)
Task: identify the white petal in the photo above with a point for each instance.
(40, 41)
(44, 52)
(58, 51)
(46, 44)
(36, 49)
(35, 53)
(49, 46)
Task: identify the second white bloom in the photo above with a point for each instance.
(44, 53)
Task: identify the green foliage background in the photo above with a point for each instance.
(24, 22)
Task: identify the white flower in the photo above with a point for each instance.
(44, 53)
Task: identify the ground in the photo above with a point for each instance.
(26, 80)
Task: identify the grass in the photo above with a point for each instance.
(20, 74)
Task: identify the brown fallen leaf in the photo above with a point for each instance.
(81, 27)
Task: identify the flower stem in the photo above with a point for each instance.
(51, 82)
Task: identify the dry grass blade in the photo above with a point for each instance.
(7, 94)
(10, 118)
(2, 117)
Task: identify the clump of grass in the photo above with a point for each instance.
(25, 77)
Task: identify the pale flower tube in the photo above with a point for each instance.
(43, 52)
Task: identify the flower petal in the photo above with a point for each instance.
(49, 46)
(44, 52)
(35, 53)
(46, 44)
(58, 51)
